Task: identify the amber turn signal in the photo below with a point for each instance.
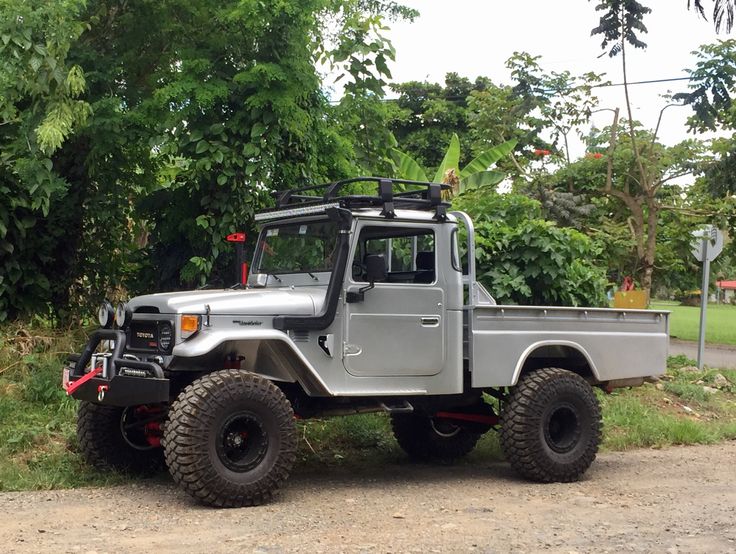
(189, 325)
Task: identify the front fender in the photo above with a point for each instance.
(299, 367)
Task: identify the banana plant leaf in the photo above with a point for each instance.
(407, 167)
(451, 159)
(482, 179)
(487, 158)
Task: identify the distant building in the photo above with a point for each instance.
(726, 290)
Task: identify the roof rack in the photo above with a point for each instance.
(427, 196)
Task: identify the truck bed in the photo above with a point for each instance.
(615, 344)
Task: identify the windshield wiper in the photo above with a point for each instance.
(312, 275)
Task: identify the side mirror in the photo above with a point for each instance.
(375, 268)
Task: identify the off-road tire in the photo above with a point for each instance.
(102, 444)
(551, 426)
(231, 439)
(424, 438)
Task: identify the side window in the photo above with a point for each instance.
(409, 253)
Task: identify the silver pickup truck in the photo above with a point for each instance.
(354, 303)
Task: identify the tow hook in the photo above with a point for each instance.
(101, 389)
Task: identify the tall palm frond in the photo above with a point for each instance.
(723, 12)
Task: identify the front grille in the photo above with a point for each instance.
(143, 335)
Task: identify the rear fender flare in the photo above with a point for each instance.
(541, 344)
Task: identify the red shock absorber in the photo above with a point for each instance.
(152, 429)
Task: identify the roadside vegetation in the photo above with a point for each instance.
(685, 321)
(37, 421)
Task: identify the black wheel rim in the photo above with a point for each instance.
(562, 428)
(133, 427)
(242, 442)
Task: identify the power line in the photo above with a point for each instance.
(601, 85)
(642, 82)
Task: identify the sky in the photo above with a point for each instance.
(475, 37)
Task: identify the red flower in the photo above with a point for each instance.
(596, 155)
(540, 152)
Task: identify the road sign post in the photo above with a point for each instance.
(707, 245)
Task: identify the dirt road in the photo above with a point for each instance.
(715, 355)
(674, 500)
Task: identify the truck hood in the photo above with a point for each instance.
(271, 301)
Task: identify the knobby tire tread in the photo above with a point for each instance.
(102, 445)
(520, 426)
(187, 432)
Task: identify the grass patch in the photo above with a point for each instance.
(678, 410)
(720, 322)
(37, 420)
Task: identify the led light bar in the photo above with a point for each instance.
(291, 212)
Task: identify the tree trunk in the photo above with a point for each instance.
(651, 245)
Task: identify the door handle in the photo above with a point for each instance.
(433, 321)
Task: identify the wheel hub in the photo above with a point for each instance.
(242, 442)
(562, 428)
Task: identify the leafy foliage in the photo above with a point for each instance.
(711, 85)
(40, 107)
(539, 110)
(431, 113)
(475, 174)
(620, 22)
(523, 259)
(135, 136)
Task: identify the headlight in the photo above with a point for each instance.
(165, 336)
(105, 315)
(123, 315)
(189, 325)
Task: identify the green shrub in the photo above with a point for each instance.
(523, 259)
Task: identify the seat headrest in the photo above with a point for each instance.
(425, 260)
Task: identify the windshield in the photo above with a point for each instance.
(297, 248)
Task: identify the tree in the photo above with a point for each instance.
(431, 113)
(198, 110)
(41, 106)
(629, 210)
(638, 185)
(540, 110)
(522, 258)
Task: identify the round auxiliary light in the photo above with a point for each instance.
(123, 315)
(165, 334)
(106, 315)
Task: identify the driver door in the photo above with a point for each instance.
(398, 328)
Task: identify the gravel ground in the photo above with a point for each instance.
(673, 500)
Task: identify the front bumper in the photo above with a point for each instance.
(111, 386)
